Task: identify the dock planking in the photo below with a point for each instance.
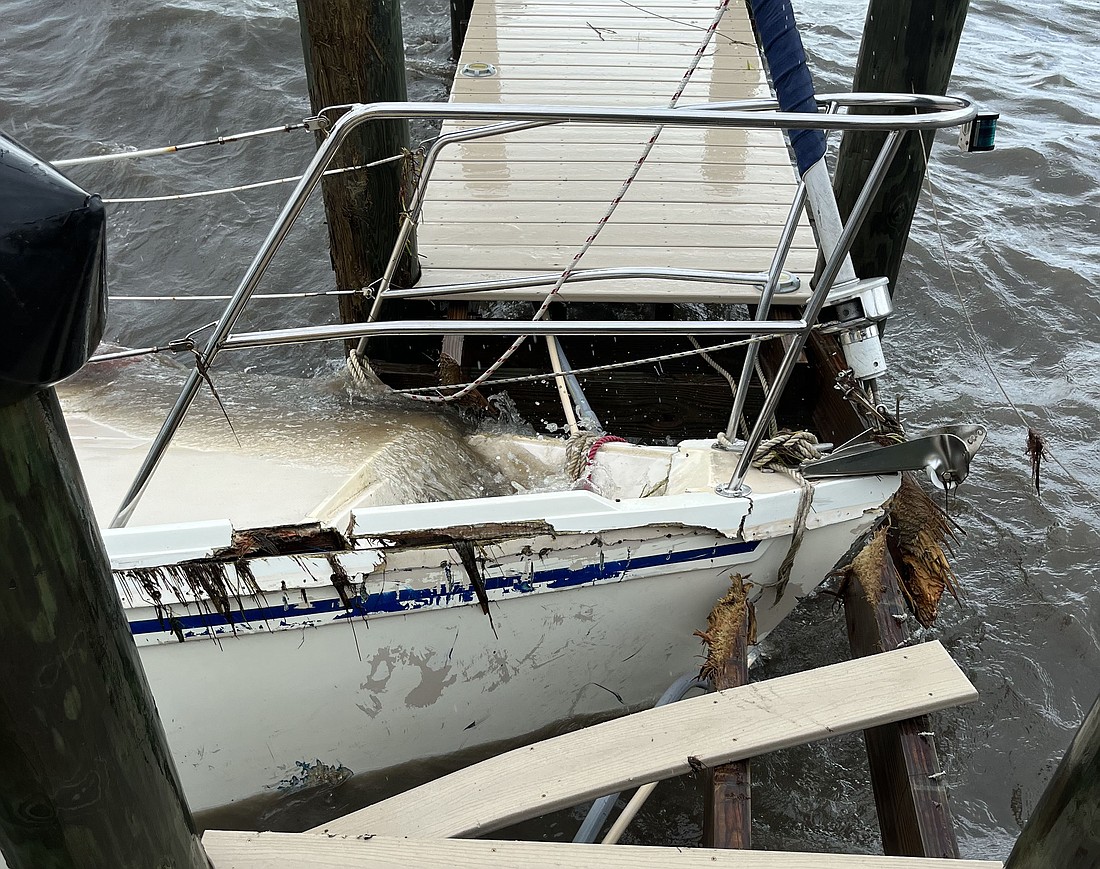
(525, 202)
(233, 850)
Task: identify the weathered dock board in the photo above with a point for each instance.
(231, 850)
(524, 203)
(656, 744)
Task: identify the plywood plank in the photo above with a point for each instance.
(682, 23)
(610, 30)
(666, 84)
(534, 54)
(566, 73)
(664, 153)
(637, 100)
(698, 89)
(232, 850)
(549, 257)
(676, 48)
(656, 744)
(584, 134)
(702, 237)
(663, 7)
(733, 42)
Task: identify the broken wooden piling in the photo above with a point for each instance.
(910, 795)
(727, 793)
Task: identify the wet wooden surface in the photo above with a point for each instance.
(524, 203)
(231, 850)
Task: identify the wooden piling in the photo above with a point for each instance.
(460, 20)
(87, 779)
(908, 46)
(1064, 829)
(727, 792)
(913, 812)
(910, 796)
(354, 54)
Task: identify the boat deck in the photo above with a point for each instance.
(525, 202)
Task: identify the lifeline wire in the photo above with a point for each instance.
(980, 345)
(301, 295)
(176, 196)
(612, 206)
(610, 366)
(175, 149)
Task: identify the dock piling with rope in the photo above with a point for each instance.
(354, 54)
(907, 47)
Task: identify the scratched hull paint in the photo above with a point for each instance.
(380, 653)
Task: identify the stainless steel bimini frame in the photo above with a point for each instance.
(930, 113)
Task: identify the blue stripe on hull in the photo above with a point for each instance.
(407, 599)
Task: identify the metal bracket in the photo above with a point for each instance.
(728, 491)
(944, 453)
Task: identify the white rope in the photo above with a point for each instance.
(242, 187)
(785, 449)
(576, 453)
(730, 379)
(612, 206)
(779, 453)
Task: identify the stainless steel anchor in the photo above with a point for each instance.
(944, 453)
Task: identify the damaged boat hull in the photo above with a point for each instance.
(268, 666)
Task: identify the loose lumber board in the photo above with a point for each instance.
(656, 744)
(232, 850)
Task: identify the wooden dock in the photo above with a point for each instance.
(525, 202)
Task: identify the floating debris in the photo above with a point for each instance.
(1036, 451)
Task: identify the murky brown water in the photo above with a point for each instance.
(1019, 228)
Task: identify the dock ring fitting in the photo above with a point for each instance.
(478, 69)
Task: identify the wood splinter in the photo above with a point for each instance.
(731, 627)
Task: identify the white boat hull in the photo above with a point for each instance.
(301, 669)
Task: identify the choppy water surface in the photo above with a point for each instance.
(1010, 266)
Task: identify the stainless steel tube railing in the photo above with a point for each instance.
(833, 264)
(786, 283)
(940, 112)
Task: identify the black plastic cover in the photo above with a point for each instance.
(53, 288)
